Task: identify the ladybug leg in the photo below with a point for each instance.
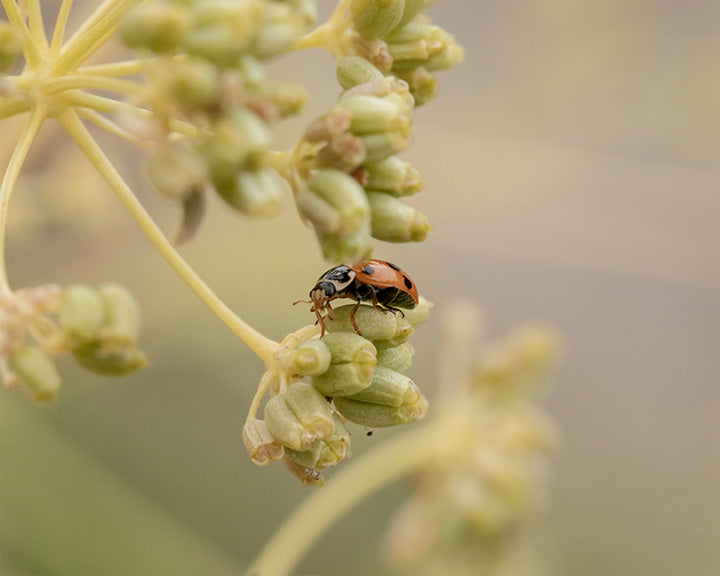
(353, 321)
(321, 321)
(377, 305)
(329, 310)
(395, 310)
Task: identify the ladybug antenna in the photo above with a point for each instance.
(303, 301)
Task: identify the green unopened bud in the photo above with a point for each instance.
(176, 172)
(326, 452)
(372, 323)
(436, 49)
(260, 444)
(451, 55)
(258, 194)
(299, 416)
(224, 29)
(289, 99)
(404, 331)
(114, 361)
(376, 18)
(379, 416)
(343, 193)
(393, 176)
(81, 313)
(37, 372)
(347, 248)
(423, 85)
(238, 141)
(389, 388)
(121, 322)
(354, 70)
(394, 221)
(273, 39)
(352, 364)
(195, 83)
(10, 46)
(309, 358)
(344, 153)
(374, 51)
(412, 9)
(159, 27)
(420, 313)
(381, 145)
(308, 476)
(372, 114)
(397, 358)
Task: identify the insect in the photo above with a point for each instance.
(382, 283)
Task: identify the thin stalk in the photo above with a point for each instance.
(83, 42)
(85, 82)
(124, 68)
(37, 28)
(29, 48)
(13, 107)
(109, 126)
(37, 117)
(395, 458)
(257, 342)
(60, 26)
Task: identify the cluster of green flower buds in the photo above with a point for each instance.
(475, 503)
(98, 326)
(10, 46)
(339, 378)
(208, 72)
(397, 39)
(356, 184)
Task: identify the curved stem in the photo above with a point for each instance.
(12, 172)
(35, 21)
(109, 126)
(258, 343)
(60, 25)
(29, 48)
(395, 458)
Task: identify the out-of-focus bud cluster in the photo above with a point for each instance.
(98, 326)
(356, 181)
(10, 46)
(339, 378)
(208, 72)
(466, 511)
(397, 39)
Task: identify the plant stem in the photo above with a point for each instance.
(29, 48)
(124, 68)
(87, 82)
(109, 126)
(13, 107)
(258, 343)
(397, 457)
(37, 117)
(60, 25)
(37, 28)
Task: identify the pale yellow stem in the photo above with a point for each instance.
(109, 126)
(85, 82)
(13, 107)
(29, 48)
(92, 34)
(37, 117)
(60, 26)
(37, 28)
(397, 457)
(257, 342)
(125, 68)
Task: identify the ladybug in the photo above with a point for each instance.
(377, 281)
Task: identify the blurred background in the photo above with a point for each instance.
(572, 177)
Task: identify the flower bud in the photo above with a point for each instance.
(81, 312)
(347, 248)
(344, 153)
(354, 70)
(343, 194)
(394, 221)
(398, 358)
(374, 51)
(237, 142)
(420, 313)
(380, 416)
(412, 9)
(277, 35)
(115, 361)
(309, 358)
(260, 444)
(381, 145)
(376, 18)
(371, 114)
(308, 476)
(423, 85)
(345, 379)
(258, 194)
(176, 172)
(224, 29)
(289, 99)
(37, 372)
(195, 83)
(372, 323)
(10, 46)
(159, 27)
(389, 388)
(349, 347)
(121, 322)
(326, 452)
(393, 176)
(298, 416)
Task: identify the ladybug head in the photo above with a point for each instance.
(321, 294)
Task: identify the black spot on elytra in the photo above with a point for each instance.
(393, 266)
(369, 270)
(408, 283)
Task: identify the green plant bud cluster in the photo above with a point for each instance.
(10, 46)
(354, 146)
(349, 377)
(395, 38)
(101, 327)
(208, 71)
